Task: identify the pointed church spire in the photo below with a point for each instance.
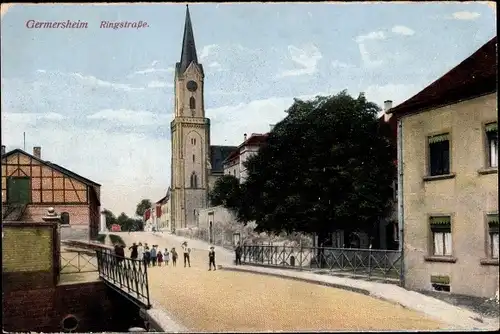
(188, 54)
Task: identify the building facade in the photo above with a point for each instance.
(449, 148)
(163, 212)
(234, 163)
(195, 163)
(31, 185)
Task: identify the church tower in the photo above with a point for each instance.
(190, 136)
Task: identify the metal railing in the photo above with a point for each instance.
(128, 276)
(78, 261)
(371, 263)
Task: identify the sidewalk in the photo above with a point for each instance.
(456, 317)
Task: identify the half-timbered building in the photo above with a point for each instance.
(31, 185)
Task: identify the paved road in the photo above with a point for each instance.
(203, 300)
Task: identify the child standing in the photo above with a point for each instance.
(174, 257)
(166, 256)
(159, 258)
(211, 258)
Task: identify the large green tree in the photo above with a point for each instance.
(142, 206)
(328, 165)
(110, 218)
(226, 192)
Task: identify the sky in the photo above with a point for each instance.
(99, 101)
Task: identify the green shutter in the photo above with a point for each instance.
(18, 190)
(440, 279)
(440, 223)
(438, 138)
(493, 223)
(491, 127)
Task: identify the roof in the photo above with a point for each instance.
(254, 140)
(473, 77)
(59, 168)
(188, 53)
(217, 156)
(165, 198)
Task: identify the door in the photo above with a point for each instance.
(18, 190)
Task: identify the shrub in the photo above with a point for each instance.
(116, 239)
(101, 238)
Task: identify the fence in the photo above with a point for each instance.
(384, 264)
(78, 261)
(130, 276)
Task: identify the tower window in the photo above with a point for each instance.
(194, 158)
(192, 103)
(193, 141)
(194, 180)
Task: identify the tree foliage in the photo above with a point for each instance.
(142, 206)
(226, 192)
(126, 223)
(328, 165)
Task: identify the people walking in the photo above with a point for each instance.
(211, 258)
(174, 257)
(147, 255)
(134, 252)
(186, 252)
(140, 252)
(153, 255)
(166, 257)
(238, 251)
(159, 258)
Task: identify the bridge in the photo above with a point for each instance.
(228, 300)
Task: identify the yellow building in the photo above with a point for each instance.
(448, 155)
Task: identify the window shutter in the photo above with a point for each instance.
(441, 223)
(491, 127)
(493, 223)
(438, 138)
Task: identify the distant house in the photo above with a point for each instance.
(31, 185)
(449, 134)
(163, 212)
(234, 163)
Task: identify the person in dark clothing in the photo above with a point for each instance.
(174, 256)
(120, 253)
(147, 255)
(153, 255)
(211, 258)
(238, 251)
(134, 253)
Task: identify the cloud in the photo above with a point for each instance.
(339, 64)
(153, 64)
(363, 44)
(468, 16)
(93, 81)
(397, 93)
(306, 58)
(402, 30)
(41, 71)
(129, 117)
(159, 84)
(26, 117)
(208, 50)
(153, 70)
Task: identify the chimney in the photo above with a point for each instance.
(37, 152)
(271, 127)
(245, 137)
(3, 149)
(387, 105)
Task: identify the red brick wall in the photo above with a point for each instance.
(78, 214)
(97, 307)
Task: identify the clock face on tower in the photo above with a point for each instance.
(192, 86)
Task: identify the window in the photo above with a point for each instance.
(194, 180)
(18, 190)
(493, 234)
(440, 283)
(193, 141)
(441, 236)
(192, 103)
(194, 158)
(65, 218)
(439, 157)
(492, 139)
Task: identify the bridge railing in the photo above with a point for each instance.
(128, 275)
(385, 264)
(78, 261)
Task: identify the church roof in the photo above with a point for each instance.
(475, 76)
(217, 156)
(188, 54)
